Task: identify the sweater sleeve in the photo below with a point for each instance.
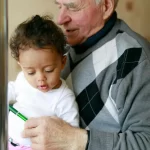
(132, 97)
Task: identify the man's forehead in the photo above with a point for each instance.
(66, 1)
(73, 1)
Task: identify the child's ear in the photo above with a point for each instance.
(64, 59)
(18, 63)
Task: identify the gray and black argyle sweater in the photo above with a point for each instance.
(111, 81)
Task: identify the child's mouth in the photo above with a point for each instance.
(43, 87)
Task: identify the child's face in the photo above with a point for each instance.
(42, 68)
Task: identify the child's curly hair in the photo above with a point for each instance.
(37, 32)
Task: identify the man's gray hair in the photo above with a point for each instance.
(116, 2)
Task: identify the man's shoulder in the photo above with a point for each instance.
(128, 39)
(127, 35)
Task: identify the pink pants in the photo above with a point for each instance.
(20, 147)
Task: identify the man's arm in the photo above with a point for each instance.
(52, 133)
(134, 119)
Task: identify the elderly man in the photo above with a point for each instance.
(109, 70)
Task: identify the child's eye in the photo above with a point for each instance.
(49, 71)
(31, 73)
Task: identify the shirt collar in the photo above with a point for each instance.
(96, 37)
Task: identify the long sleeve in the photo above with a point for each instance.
(132, 98)
(15, 87)
(11, 92)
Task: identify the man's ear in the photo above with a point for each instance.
(64, 59)
(108, 8)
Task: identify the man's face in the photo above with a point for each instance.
(80, 19)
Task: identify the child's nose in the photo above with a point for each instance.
(41, 77)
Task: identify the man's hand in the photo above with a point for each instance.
(52, 133)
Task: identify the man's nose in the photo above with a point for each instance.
(63, 16)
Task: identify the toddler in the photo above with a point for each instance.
(38, 46)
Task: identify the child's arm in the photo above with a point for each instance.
(11, 95)
(13, 87)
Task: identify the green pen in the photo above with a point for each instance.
(16, 112)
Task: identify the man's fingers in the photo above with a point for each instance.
(37, 146)
(31, 123)
(35, 140)
(29, 133)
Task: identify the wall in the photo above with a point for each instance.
(134, 12)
